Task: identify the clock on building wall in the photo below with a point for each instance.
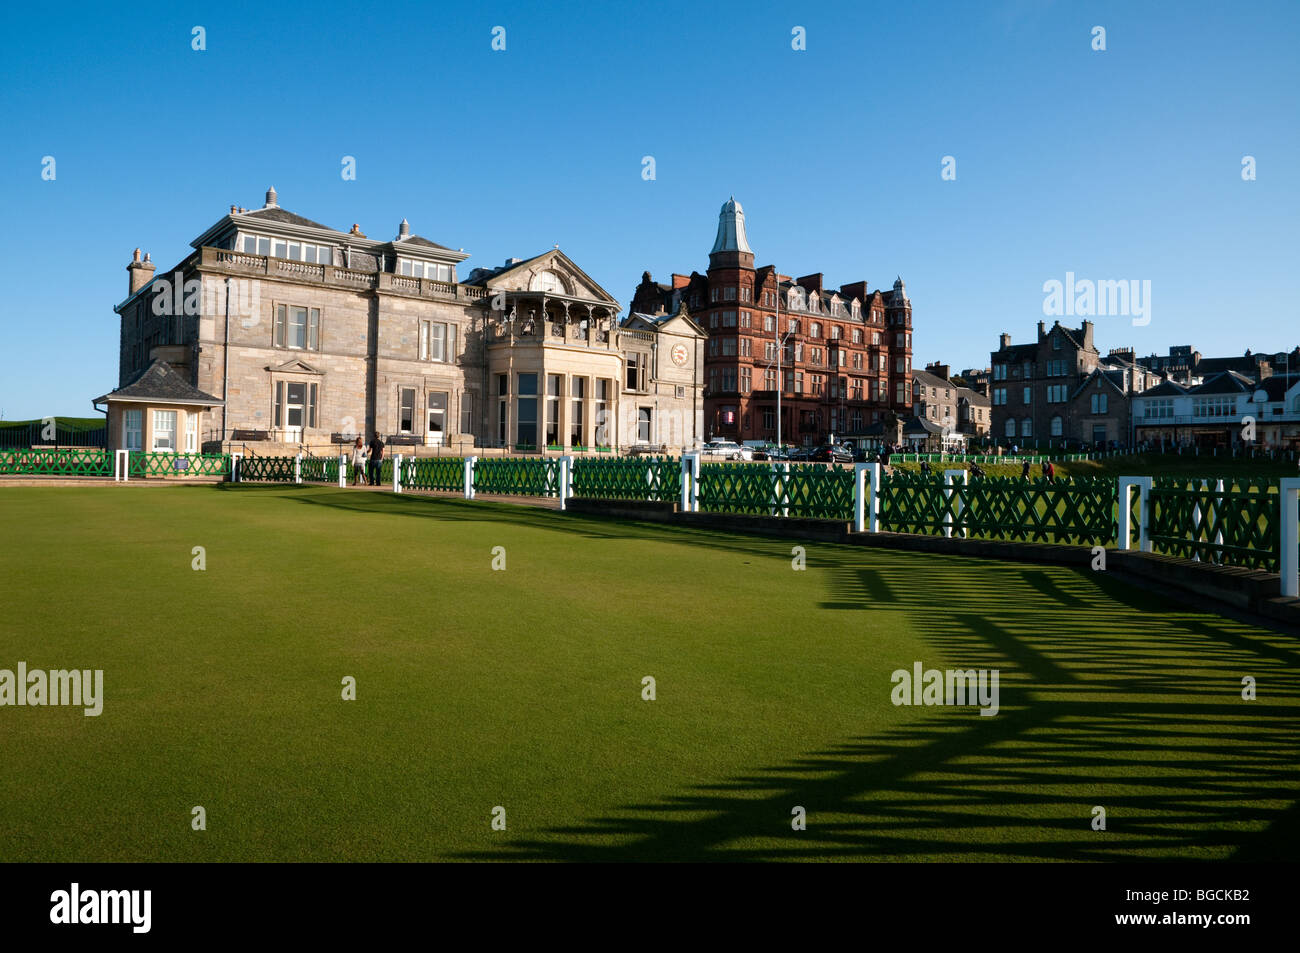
(680, 354)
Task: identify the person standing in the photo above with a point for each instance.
(376, 459)
(358, 462)
(1049, 471)
(1024, 469)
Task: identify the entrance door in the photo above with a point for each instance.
(437, 418)
(1098, 435)
(295, 405)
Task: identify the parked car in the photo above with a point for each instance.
(832, 453)
(725, 450)
(800, 454)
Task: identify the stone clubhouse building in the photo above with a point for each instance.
(299, 335)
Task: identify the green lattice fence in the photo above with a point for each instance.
(266, 469)
(517, 477)
(147, 464)
(815, 492)
(807, 490)
(1079, 510)
(653, 479)
(320, 469)
(434, 473)
(1235, 526)
(68, 462)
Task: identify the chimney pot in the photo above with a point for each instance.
(271, 198)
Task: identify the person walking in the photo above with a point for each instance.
(376, 459)
(1049, 471)
(1024, 470)
(358, 462)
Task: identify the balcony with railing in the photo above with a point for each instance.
(242, 263)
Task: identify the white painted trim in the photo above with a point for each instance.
(469, 477)
(297, 468)
(566, 480)
(690, 483)
(397, 473)
(343, 470)
(1289, 536)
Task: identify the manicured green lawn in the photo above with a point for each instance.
(522, 688)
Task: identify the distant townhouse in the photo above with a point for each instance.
(293, 332)
(1215, 413)
(974, 413)
(817, 359)
(1032, 385)
(1102, 406)
(934, 397)
(976, 378)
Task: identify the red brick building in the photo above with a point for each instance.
(843, 357)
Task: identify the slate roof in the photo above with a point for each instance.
(1229, 382)
(932, 380)
(160, 382)
(277, 214)
(419, 240)
(1277, 386)
(1164, 389)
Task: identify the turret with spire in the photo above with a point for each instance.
(731, 247)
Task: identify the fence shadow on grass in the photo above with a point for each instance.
(1110, 696)
(1134, 706)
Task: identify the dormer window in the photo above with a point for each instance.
(283, 248)
(434, 271)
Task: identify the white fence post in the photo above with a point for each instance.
(1126, 485)
(949, 478)
(343, 469)
(121, 465)
(566, 480)
(297, 468)
(877, 473)
(1144, 513)
(469, 477)
(235, 460)
(690, 483)
(397, 473)
(861, 477)
(1289, 536)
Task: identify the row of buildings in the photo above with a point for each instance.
(281, 330)
(1060, 388)
(277, 328)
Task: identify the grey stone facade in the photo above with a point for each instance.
(310, 334)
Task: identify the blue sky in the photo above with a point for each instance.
(1123, 164)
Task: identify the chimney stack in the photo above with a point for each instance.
(139, 272)
(271, 198)
(404, 230)
(1004, 341)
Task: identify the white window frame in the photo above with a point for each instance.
(158, 416)
(129, 431)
